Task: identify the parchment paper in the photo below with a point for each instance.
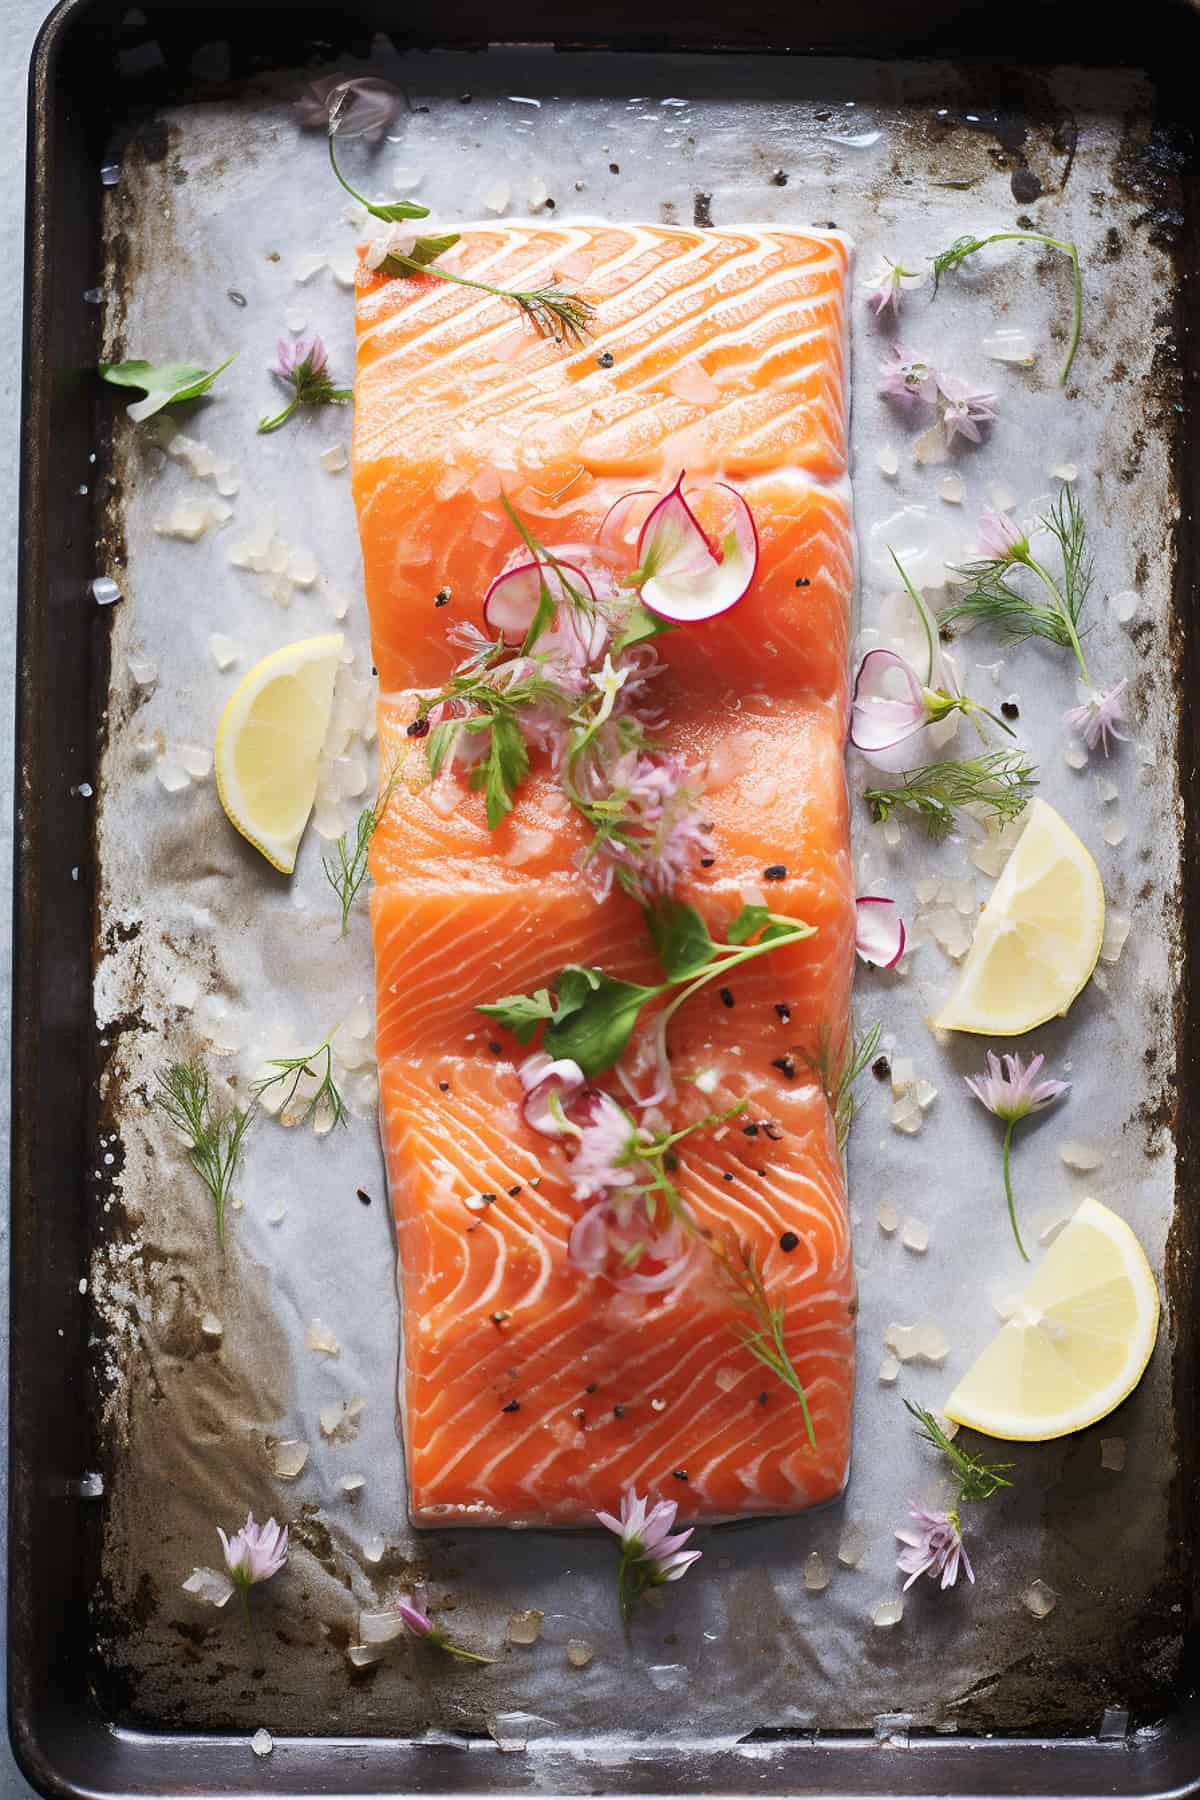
(203, 949)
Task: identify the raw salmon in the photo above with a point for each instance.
(532, 1393)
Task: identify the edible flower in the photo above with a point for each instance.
(908, 378)
(999, 538)
(414, 1614)
(1011, 1091)
(880, 933)
(651, 1552)
(1099, 717)
(302, 364)
(253, 1554)
(962, 410)
(936, 1549)
(886, 286)
(359, 105)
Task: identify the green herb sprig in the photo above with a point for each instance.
(1001, 781)
(765, 1340)
(215, 1135)
(990, 596)
(293, 1069)
(968, 245)
(977, 1479)
(346, 871)
(590, 1016)
(163, 384)
(838, 1080)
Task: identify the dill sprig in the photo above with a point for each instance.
(215, 1134)
(1002, 782)
(991, 598)
(552, 310)
(292, 1071)
(837, 1082)
(765, 1341)
(967, 245)
(346, 871)
(977, 1479)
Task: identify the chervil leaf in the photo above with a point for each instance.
(681, 938)
(522, 1013)
(164, 384)
(438, 743)
(506, 768)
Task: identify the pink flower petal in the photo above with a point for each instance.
(880, 932)
(881, 723)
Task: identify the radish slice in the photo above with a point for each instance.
(880, 933)
(882, 723)
(686, 574)
(616, 527)
(510, 604)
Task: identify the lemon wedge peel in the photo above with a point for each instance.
(269, 742)
(1038, 938)
(1078, 1343)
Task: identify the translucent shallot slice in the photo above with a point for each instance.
(880, 933)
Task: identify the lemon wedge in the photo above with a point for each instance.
(1077, 1343)
(1038, 937)
(269, 745)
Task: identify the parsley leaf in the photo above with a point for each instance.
(596, 1023)
(505, 768)
(681, 938)
(522, 1013)
(164, 384)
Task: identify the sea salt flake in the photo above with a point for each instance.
(930, 448)
(816, 1575)
(525, 1627)
(950, 489)
(1010, 346)
(905, 1115)
(361, 1656)
(904, 1075)
(887, 1613)
(352, 1484)
(853, 1547)
(262, 1743)
(211, 1327)
(301, 568)
(1079, 1156)
(1124, 605)
(1075, 756)
(1116, 931)
(223, 650)
(105, 591)
(374, 1547)
(1114, 831)
(915, 1236)
(888, 1217)
(889, 1369)
(1106, 790)
(889, 462)
(143, 671)
(288, 1458)
(1112, 1454)
(334, 459)
(579, 1653)
(382, 1627)
(305, 267)
(319, 1338)
(195, 759)
(1039, 1599)
(187, 520)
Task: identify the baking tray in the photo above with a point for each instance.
(97, 69)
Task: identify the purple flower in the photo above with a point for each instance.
(652, 819)
(353, 105)
(303, 363)
(256, 1552)
(999, 539)
(1100, 717)
(1011, 1090)
(413, 1612)
(886, 286)
(908, 378)
(651, 1553)
(935, 1549)
(963, 411)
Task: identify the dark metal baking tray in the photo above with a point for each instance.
(96, 67)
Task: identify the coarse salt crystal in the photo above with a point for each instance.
(262, 1743)
(925, 1094)
(352, 1484)
(816, 1575)
(904, 1075)
(497, 197)
(1112, 1454)
(538, 194)
(305, 267)
(361, 1656)
(223, 650)
(525, 1627)
(930, 448)
(195, 759)
(1010, 346)
(915, 1236)
(1114, 831)
(382, 1627)
(951, 490)
(1081, 1157)
(143, 671)
(1039, 1599)
(1106, 790)
(906, 1115)
(889, 1369)
(888, 1217)
(318, 1337)
(579, 1653)
(889, 462)
(887, 1613)
(334, 459)
(891, 832)
(374, 1547)
(288, 1458)
(187, 520)
(708, 1080)
(295, 319)
(211, 1327)
(1075, 756)
(172, 776)
(853, 1547)
(105, 591)
(1124, 605)
(301, 568)
(694, 384)
(1116, 931)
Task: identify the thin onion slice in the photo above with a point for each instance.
(880, 934)
(510, 604)
(686, 574)
(561, 1080)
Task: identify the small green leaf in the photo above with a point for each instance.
(392, 212)
(576, 984)
(681, 938)
(747, 922)
(599, 1025)
(640, 624)
(425, 251)
(521, 1013)
(438, 743)
(164, 384)
(506, 768)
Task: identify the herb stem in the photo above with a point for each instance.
(726, 957)
(922, 613)
(1061, 607)
(1069, 250)
(1012, 1209)
(281, 418)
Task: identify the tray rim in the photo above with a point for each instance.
(105, 1760)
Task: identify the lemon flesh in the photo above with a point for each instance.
(269, 744)
(1038, 937)
(1076, 1345)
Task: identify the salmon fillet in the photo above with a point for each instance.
(532, 1393)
